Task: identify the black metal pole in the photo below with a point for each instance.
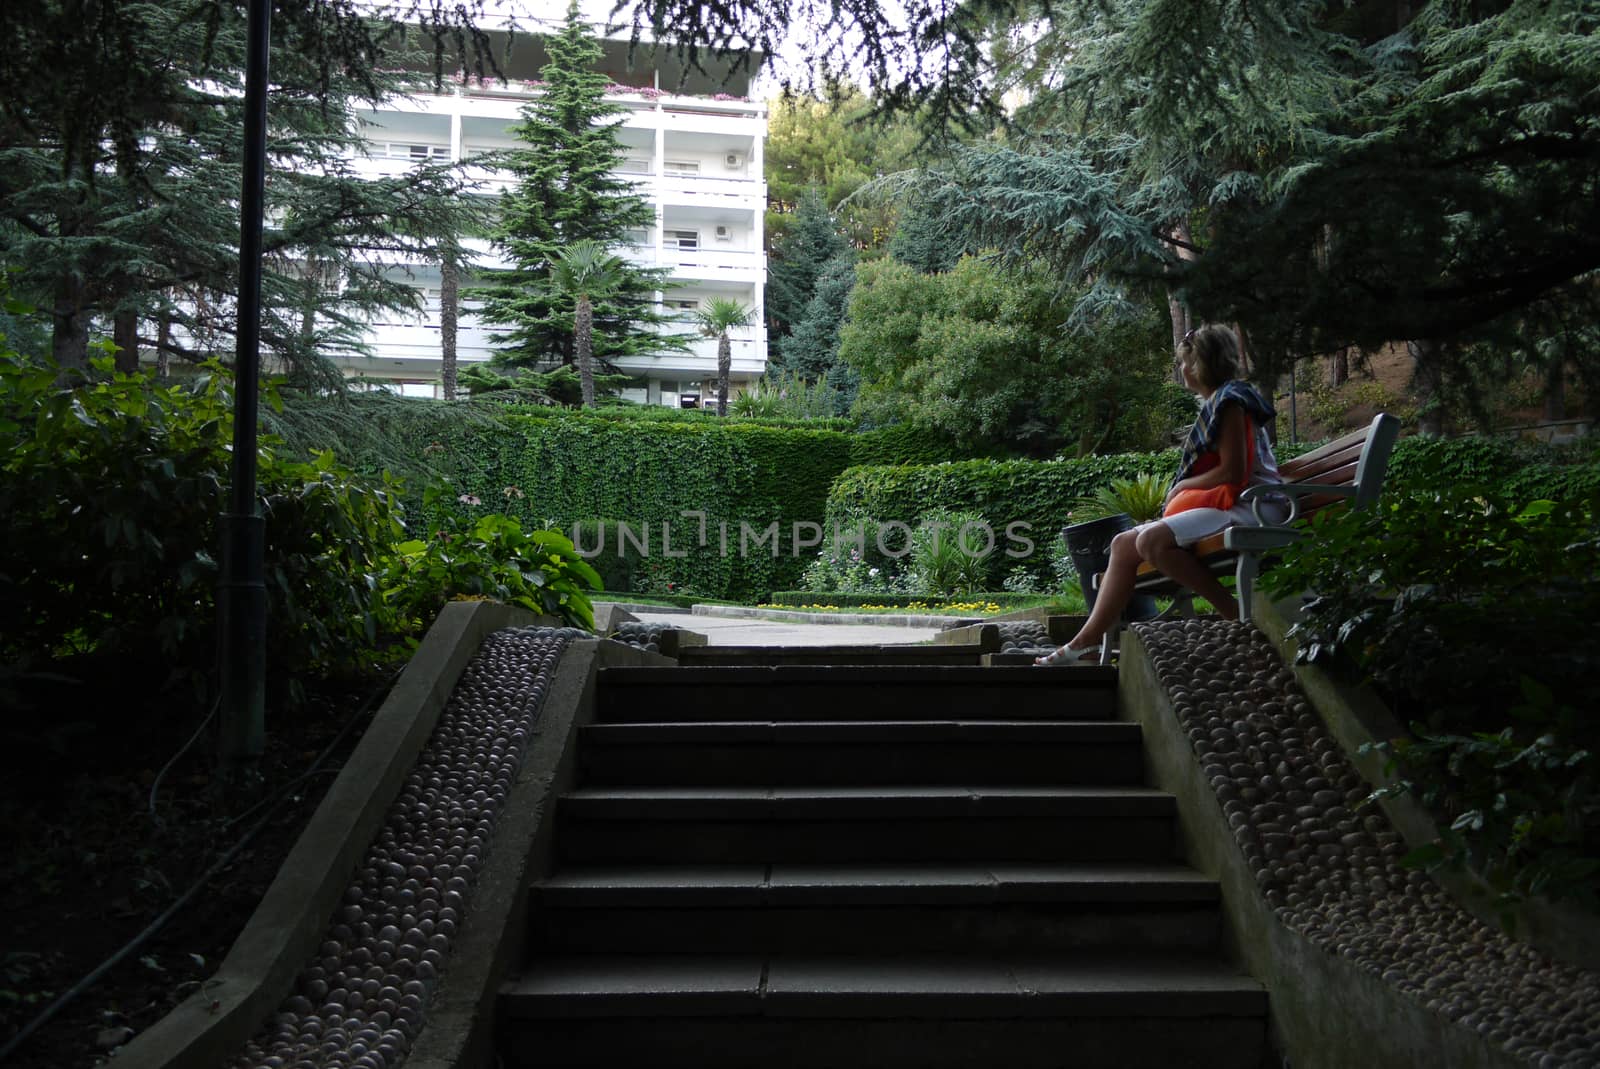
(242, 594)
(1294, 411)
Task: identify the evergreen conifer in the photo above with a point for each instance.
(567, 190)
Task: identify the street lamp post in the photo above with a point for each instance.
(242, 593)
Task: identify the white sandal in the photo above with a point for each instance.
(1067, 657)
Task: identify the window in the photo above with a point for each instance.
(402, 150)
(636, 237)
(683, 166)
(633, 165)
(683, 240)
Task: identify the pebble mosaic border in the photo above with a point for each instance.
(361, 1001)
(1329, 868)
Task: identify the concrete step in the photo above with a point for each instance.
(851, 692)
(863, 752)
(857, 909)
(684, 825)
(928, 654)
(932, 1012)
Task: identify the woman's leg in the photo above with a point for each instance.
(1116, 587)
(1159, 546)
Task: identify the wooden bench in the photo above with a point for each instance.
(1350, 469)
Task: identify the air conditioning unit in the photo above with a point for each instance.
(723, 233)
(733, 161)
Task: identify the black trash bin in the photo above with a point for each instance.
(1090, 546)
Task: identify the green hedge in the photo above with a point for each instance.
(902, 443)
(1003, 598)
(623, 411)
(1037, 493)
(1525, 471)
(560, 468)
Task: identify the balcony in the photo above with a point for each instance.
(713, 264)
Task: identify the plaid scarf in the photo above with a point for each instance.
(1208, 425)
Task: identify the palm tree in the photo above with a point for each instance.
(584, 270)
(716, 319)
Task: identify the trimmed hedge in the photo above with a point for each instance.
(1003, 598)
(902, 443)
(1036, 493)
(1525, 471)
(695, 416)
(560, 468)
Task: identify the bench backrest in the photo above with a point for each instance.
(1360, 458)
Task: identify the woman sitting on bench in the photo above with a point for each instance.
(1226, 451)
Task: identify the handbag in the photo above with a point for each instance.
(1214, 497)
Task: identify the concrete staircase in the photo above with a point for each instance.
(851, 867)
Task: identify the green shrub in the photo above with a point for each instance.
(1140, 498)
(905, 443)
(950, 554)
(1523, 471)
(1478, 617)
(1006, 599)
(553, 468)
(490, 558)
(111, 493)
(1038, 496)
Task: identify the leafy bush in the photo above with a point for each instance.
(1036, 495)
(947, 557)
(112, 492)
(1478, 618)
(491, 558)
(907, 443)
(1141, 498)
(1523, 471)
(550, 467)
(1004, 599)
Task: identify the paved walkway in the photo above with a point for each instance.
(723, 631)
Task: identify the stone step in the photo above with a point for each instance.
(934, 1012)
(863, 752)
(876, 908)
(685, 825)
(925, 654)
(852, 692)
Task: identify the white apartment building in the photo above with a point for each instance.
(693, 148)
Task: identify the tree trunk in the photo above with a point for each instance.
(69, 341)
(583, 340)
(1426, 378)
(125, 334)
(449, 299)
(163, 339)
(1180, 326)
(1182, 322)
(1341, 368)
(1555, 392)
(724, 367)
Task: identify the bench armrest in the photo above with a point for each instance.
(1246, 539)
(1255, 495)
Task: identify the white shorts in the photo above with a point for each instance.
(1190, 527)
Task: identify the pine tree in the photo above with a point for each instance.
(798, 258)
(566, 190)
(812, 351)
(121, 146)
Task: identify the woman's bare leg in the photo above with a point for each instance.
(1159, 546)
(1116, 588)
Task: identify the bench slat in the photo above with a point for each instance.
(1322, 469)
(1355, 438)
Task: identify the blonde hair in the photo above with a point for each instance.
(1216, 353)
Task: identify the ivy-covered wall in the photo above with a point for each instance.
(1037, 493)
(563, 468)
(902, 443)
